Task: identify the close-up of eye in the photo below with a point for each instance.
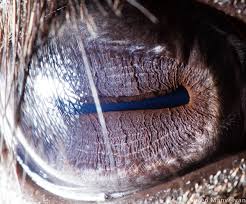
(123, 101)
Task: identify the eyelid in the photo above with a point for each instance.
(240, 48)
(235, 41)
(216, 176)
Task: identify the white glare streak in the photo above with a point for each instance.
(158, 49)
(145, 11)
(97, 103)
(47, 87)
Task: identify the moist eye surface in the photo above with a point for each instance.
(161, 110)
(144, 137)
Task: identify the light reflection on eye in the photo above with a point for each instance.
(152, 135)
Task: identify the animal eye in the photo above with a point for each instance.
(105, 115)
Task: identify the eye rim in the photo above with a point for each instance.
(170, 188)
(234, 9)
(190, 181)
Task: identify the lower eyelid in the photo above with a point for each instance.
(197, 185)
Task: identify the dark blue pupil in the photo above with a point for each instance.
(176, 98)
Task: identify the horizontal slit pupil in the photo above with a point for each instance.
(173, 99)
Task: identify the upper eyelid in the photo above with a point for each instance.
(235, 41)
(240, 48)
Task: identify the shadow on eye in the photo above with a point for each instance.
(136, 105)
